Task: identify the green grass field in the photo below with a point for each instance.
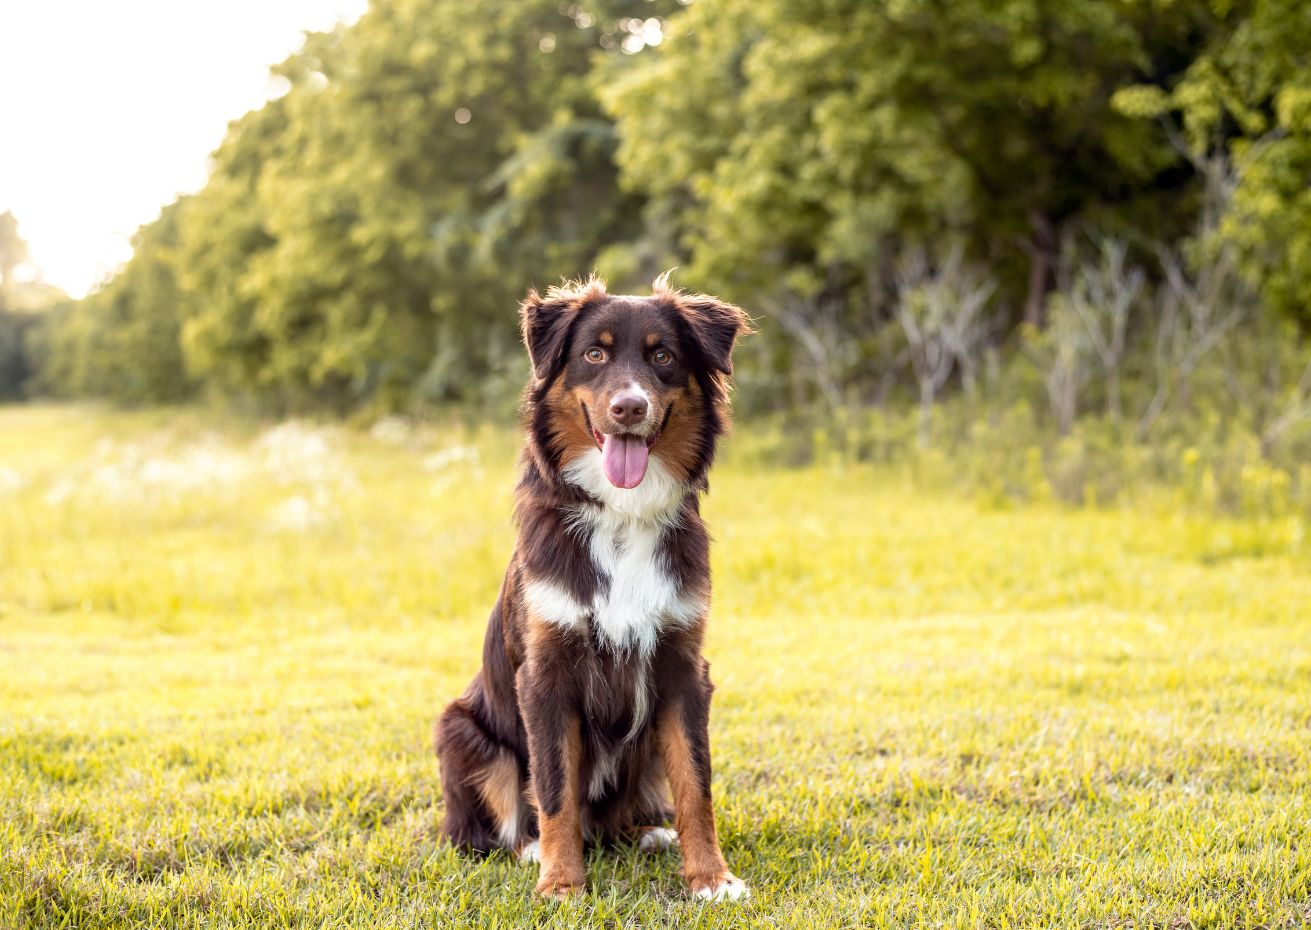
(222, 648)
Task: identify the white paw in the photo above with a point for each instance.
(657, 839)
(530, 853)
(731, 888)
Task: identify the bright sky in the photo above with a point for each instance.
(109, 109)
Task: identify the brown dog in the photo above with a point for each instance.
(593, 695)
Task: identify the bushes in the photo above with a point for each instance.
(1154, 371)
(1231, 434)
(15, 359)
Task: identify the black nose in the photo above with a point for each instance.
(627, 409)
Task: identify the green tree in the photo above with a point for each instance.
(122, 341)
(368, 234)
(1248, 97)
(799, 145)
(13, 252)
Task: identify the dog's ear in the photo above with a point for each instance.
(548, 321)
(545, 322)
(715, 327)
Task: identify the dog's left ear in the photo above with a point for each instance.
(715, 327)
(545, 323)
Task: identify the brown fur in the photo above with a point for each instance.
(694, 816)
(562, 831)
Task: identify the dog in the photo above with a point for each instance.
(593, 701)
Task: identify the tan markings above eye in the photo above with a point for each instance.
(606, 338)
(652, 339)
(595, 354)
(661, 357)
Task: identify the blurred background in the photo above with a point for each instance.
(1041, 250)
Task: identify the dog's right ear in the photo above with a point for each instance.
(545, 322)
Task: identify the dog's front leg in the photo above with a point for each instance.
(683, 732)
(555, 757)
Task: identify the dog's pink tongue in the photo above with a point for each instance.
(624, 460)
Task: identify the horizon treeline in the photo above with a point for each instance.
(905, 195)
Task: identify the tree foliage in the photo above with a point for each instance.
(362, 239)
(22, 302)
(122, 342)
(823, 140)
(364, 236)
(1249, 96)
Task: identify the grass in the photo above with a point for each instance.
(222, 647)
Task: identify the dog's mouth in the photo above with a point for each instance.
(624, 456)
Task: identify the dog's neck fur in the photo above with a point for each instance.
(655, 502)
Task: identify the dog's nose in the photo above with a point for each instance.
(628, 409)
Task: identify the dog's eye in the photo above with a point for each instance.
(661, 357)
(595, 354)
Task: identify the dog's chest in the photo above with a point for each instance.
(637, 595)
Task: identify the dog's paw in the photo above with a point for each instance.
(724, 886)
(560, 889)
(657, 839)
(530, 853)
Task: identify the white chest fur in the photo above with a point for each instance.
(642, 596)
(638, 596)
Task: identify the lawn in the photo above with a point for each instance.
(223, 643)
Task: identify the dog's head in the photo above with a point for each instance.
(633, 377)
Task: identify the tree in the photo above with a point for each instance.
(13, 252)
(122, 341)
(19, 302)
(1103, 295)
(820, 137)
(1249, 96)
(367, 235)
(942, 313)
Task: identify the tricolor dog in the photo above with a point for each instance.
(591, 707)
